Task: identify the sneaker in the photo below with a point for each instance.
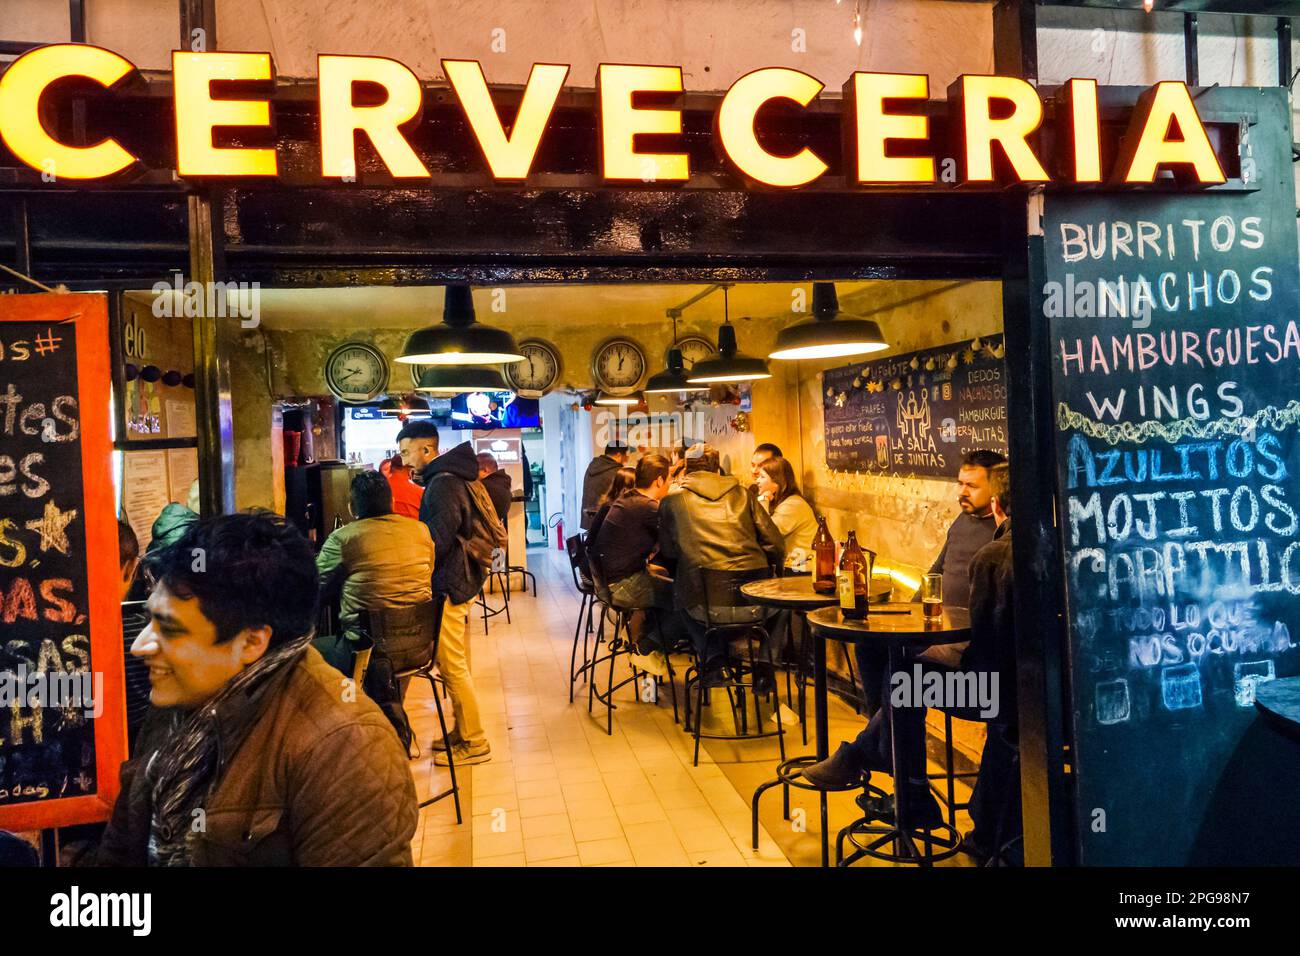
(841, 769)
(653, 663)
(441, 742)
(465, 754)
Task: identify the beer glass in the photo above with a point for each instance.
(932, 595)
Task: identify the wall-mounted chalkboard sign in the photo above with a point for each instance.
(1175, 333)
(62, 721)
(919, 413)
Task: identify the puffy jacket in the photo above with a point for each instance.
(384, 561)
(448, 512)
(168, 527)
(714, 521)
(307, 779)
(599, 476)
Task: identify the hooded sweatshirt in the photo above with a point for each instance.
(448, 511)
(600, 475)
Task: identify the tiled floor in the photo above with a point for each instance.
(559, 792)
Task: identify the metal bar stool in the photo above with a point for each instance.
(408, 637)
(577, 551)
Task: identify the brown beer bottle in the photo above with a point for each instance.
(852, 580)
(823, 548)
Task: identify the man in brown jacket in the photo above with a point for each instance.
(256, 751)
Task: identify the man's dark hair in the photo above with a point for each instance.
(488, 462)
(615, 448)
(371, 495)
(251, 569)
(703, 458)
(768, 449)
(983, 458)
(1000, 485)
(128, 545)
(421, 428)
(650, 469)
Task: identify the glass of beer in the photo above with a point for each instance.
(932, 595)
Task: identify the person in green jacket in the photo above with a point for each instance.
(381, 559)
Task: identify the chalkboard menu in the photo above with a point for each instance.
(917, 413)
(1176, 366)
(61, 698)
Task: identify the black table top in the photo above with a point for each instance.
(1280, 702)
(797, 592)
(905, 623)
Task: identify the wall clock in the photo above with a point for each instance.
(356, 372)
(693, 348)
(416, 372)
(539, 371)
(618, 365)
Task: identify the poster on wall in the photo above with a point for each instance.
(919, 413)
(62, 721)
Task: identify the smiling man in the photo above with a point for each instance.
(255, 752)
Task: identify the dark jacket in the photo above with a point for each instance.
(966, 535)
(992, 645)
(625, 537)
(595, 483)
(307, 779)
(498, 489)
(713, 521)
(448, 511)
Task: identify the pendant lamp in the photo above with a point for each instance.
(632, 398)
(403, 406)
(456, 379)
(459, 339)
(730, 364)
(830, 333)
(673, 378)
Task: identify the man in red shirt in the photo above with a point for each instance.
(406, 494)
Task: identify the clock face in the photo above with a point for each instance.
(356, 372)
(693, 348)
(416, 372)
(538, 372)
(618, 365)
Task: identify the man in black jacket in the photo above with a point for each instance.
(599, 476)
(448, 510)
(497, 483)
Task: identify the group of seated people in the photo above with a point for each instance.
(656, 525)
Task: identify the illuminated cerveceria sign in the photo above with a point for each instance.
(885, 141)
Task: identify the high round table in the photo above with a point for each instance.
(1279, 701)
(900, 628)
(795, 593)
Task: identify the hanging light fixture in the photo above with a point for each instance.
(632, 398)
(456, 379)
(730, 364)
(830, 333)
(404, 406)
(673, 378)
(459, 339)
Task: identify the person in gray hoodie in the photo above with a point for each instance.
(599, 476)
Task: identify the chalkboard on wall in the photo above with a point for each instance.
(1176, 365)
(62, 723)
(919, 413)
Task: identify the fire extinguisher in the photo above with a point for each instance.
(557, 522)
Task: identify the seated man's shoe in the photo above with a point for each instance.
(875, 807)
(653, 663)
(453, 737)
(465, 754)
(972, 847)
(841, 769)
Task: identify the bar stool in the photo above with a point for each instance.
(577, 551)
(721, 591)
(408, 637)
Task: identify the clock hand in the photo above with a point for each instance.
(351, 372)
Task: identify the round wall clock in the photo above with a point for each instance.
(693, 348)
(618, 365)
(416, 372)
(356, 372)
(539, 371)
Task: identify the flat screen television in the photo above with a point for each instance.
(486, 410)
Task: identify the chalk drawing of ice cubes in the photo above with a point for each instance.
(1180, 687)
(1247, 676)
(1112, 702)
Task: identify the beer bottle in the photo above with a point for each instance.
(852, 580)
(823, 549)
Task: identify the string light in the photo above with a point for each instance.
(1148, 4)
(857, 23)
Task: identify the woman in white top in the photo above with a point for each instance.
(790, 511)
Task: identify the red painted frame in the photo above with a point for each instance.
(88, 312)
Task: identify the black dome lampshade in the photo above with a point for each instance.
(830, 333)
(459, 339)
(673, 378)
(729, 364)
(455, 379)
